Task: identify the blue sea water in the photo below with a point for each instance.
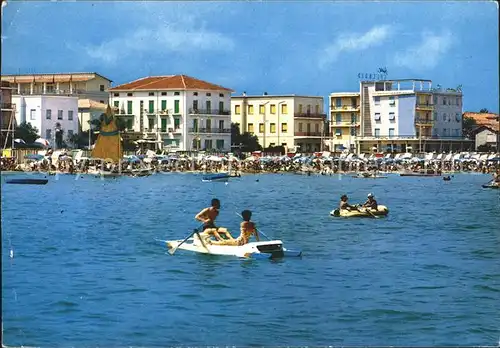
(85, 269)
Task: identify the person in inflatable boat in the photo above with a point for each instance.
(346, 206)
(371, 202)
(247, 230)
(208, 216)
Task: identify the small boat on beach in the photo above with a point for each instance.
(265, 249)
(369, 176)
(26, 181)
(382, 210)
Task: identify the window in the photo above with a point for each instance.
(284, 128)
(221, 108)
(444, 117)
(308, 127)
(195, 93)
(101, 88)
(195, 125)
(177, 123)
(129, 107)
(300, 108)
(273, 128)
(377, 132)
(163, 105)
(177, 93)
(273, 108)
(250, 128)
(176, 106)
(164, 124)
(392, 116)
(129, 94)
(338, 102)
(70, 132)
(32, 114)
(308, 109)
(338, 118)
(457, 117)
(195, 106)
(208, 144)
(377, 100)
(338, 132)
(219, 144)
(262, 109)
(391, 132)
(392, 102)
(237, 109)
(221, 95)
(151, 106)
(377, 116)
(208, 104)
(209, 94)
(70, 115)
(59, 114)
(300, 126)
(208, 124)
(353, 131)
(261, 127)
(48, 114)
(221, 124)
(353, 118)
(354, 102)
(151, 94)
(444, 100)
(284, 109)
(445, 132)
(116, 94)
(48, 134)
(163, 93)
(250, 109)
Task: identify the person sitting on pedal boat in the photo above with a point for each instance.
(247, 230)
(344, 205)
(208, 216)
(371, 202)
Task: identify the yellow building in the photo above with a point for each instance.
(344, 120)
(295, 122)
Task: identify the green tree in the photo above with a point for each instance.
(468, 125)
(484, 111)
(26, 132)
(249, 142)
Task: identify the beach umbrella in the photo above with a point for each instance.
(19, 141)
(43, 141)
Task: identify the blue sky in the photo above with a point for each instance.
(311, 48)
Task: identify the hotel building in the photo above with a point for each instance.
(397, 116)
(176, 112)
(295, 122)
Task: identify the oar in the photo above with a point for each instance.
(173, 250)
(369, 212)
(258, 230)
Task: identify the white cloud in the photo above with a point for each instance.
(426, 54)
(349, 42)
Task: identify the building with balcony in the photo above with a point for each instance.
(50, 114)
(7, 121)
(88, 85)
(398, 116)
(295, 122)
(176, 112)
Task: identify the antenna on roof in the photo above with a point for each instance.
(244, 93)
(265, 93)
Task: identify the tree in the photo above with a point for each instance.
(26, 132)
(468, 125)
(484, 111)
(248, 141)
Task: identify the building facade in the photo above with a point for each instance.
(176, 112)
(295, 122)
(89, 110)
(397, 116)
(7, 122)
(486, 137)
(82, 85)
(49, 114)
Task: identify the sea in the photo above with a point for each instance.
(82, 265)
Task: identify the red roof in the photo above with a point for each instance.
(489, 120)
(171, 82)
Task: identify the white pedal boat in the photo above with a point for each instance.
(264, 249)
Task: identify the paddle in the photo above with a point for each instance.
(368, 211)
(196, 230)
(255, 228)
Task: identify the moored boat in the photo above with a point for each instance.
(26, 181)
(265, 249)
(382, 210)
(222, 177)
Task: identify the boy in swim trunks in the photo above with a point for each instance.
(208, 216)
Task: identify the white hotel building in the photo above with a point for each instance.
(397, 116)
(175, 112)
(48, 113)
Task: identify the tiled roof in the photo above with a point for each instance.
(489, 120)
(170, 82)
(52, 78)
(91, 104)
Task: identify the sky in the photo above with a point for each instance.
(278, 47)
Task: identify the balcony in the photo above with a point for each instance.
(334, 124)
(209, 112)
(210, 130)
(425, 106)
(350, 108)
(7, 106)
(424, 122)
(310, 115)
(308, 134)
